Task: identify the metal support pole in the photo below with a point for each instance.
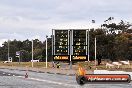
(95, 52)
(19, 57)
(52, 47)
(8, 50)
(46, 50)
(32, 53)
(52, 43)
(71, 47)
(88, 44)
(68, 43)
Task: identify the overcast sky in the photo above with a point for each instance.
(30, 19)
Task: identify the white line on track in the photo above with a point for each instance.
(48, 81)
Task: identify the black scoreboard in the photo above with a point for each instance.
(61, 45)
(79, 45)
(69, 45)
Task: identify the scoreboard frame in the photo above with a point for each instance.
(70, 55)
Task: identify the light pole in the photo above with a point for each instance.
(46, 50)
(93, 21)
(95, 51)
(32, 53)
(8, 49)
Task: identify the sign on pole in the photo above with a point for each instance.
(17, 53)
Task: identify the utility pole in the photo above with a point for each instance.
(8, 49)
(32, 53)
(46, 50)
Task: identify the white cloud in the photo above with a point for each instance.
(22, 19)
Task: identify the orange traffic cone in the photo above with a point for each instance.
(26, 75)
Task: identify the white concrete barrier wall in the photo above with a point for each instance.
(112, 72)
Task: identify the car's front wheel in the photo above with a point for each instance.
(81, 80)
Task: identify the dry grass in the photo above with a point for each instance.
(24, 64)
(86, 65)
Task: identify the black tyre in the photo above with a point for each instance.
(81, 80)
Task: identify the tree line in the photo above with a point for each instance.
(25, 48)
(114, 40)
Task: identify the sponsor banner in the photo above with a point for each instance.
(61, 58)
(108, 78)
(79, 57)
(103, 78)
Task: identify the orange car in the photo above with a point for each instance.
(82, 77)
